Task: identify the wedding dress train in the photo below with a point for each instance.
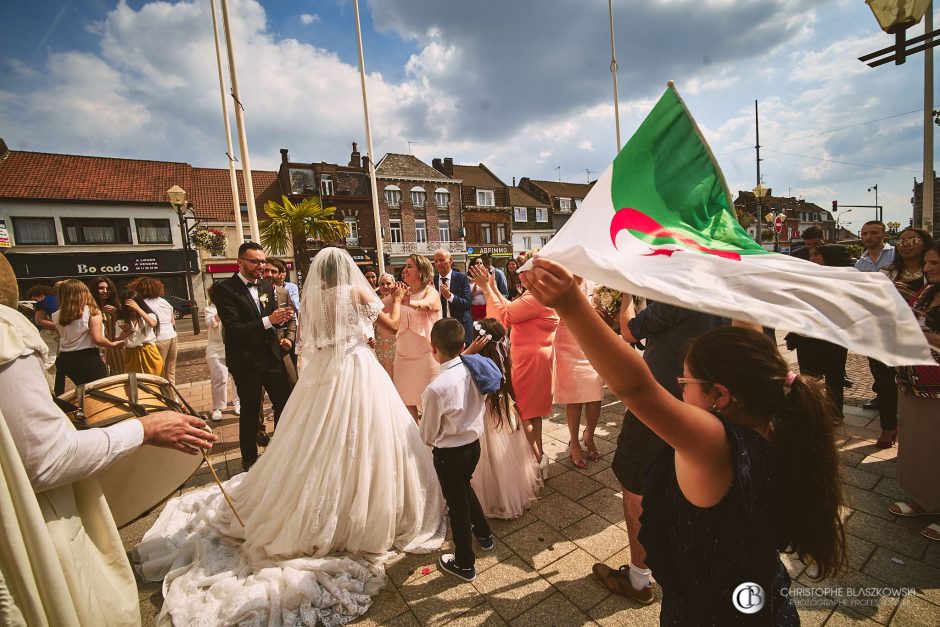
(345, 479)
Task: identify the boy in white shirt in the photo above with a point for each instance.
(452, 423)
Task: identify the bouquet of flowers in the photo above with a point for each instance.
(607, 302)
(212, 241)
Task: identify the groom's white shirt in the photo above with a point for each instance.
(253, 290)
(453, 408)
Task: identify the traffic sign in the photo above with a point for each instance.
(779, 222)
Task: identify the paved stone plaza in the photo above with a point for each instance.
(540, 571)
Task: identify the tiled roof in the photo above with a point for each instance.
(406, 166)
(477, 176)
(212, 192)
(559, 189)
(48, 176)
(519, 198)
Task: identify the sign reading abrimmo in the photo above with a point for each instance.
(49, 266)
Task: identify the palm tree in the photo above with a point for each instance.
(293, 226)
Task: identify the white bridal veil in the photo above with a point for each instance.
(337, 310)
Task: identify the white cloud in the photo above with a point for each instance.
(309, 18)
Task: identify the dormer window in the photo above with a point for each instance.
(326, 185)
(485, 198)
(564, 204)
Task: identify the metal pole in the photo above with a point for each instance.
(239, 230)
(240, 121)
(927, 202)
(379, 244)
(757, 148)
(613, 71)
(184, 233)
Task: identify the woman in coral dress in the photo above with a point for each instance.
(414, 365)
(533, 332)
(577, 387)
(506, 478)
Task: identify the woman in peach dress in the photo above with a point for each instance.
(532, 335)
(577, 386)
(414, 365)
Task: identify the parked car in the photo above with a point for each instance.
(181, 307)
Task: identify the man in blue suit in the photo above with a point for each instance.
(454, 288)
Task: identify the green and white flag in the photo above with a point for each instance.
(660, 223)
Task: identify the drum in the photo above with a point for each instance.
(142, 480)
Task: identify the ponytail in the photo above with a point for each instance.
(800, 416)
(803, 435)
(498, 403)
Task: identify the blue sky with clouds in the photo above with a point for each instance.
(522, 85)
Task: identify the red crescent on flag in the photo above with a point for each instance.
(634, 220)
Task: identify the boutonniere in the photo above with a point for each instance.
(263, 299)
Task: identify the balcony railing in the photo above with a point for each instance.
(424, 248)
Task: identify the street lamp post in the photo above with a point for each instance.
(759, 192)
(839, 219)
(878, 213)
(177, 197)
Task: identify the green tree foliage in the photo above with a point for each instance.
(297, 227)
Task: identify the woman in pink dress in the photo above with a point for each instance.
(533, 331)
(414, 365)
(577, 386)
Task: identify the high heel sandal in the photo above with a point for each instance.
(887, 440)
(578, 463)
(593, 454)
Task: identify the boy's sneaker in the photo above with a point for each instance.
(486, 543)
(237, 408)
(447, 563)
(216, 415)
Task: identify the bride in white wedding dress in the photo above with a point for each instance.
(345, 479)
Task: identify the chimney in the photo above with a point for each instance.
(284, 158)
(513, 181)
(4, 151)
(448, 166)
(438, 165)
(355, 159)
(365, 163)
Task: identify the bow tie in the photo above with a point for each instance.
(251, 285)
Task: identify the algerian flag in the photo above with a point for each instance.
(660, 223)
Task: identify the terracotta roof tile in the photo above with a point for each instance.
(48, 176)
(394, 165)
(519, 198)
(559, 189)
(212, 197)
(477, 176)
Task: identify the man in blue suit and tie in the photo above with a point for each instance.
(454, 288)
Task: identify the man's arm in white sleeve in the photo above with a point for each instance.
(53, 453)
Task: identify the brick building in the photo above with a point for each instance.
(799, 215)
(486, 210)
(563, 198)
(420, 209)
(345, 187)
(531, 221)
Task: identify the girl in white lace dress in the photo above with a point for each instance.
(506, 478)
(345, 480)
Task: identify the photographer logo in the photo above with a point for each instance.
(748, 598)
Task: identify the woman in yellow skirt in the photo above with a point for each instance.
(138, 323)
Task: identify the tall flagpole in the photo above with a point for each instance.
(613, 70)
(379, 245)
(239, 229)
(240, 121)
(926, 214)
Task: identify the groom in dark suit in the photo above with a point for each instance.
(249, 312)
(454, 288)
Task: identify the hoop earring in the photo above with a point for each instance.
(715, 407)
